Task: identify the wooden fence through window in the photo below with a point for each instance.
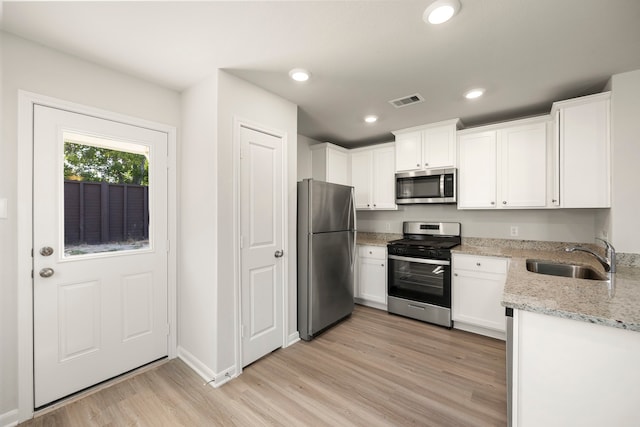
(99, 212)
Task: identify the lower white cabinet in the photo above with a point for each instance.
(371, 277)
(477, 287)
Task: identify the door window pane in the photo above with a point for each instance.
(106, 195)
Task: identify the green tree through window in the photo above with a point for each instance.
(95, 164)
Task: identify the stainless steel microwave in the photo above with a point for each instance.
(426, 186)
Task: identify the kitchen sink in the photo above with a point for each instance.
(564, 270)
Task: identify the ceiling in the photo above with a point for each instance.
(526, 53)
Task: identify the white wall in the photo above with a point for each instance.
(625, 163)
(35, 68)
(238, 99)
(304, 156)
(562, 225)
(198, 228)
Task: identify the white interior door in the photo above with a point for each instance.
(100, 306)
(262, 244)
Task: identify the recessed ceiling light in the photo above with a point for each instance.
(299, 74)
(371, 119)
(440, 11)
(474, 93)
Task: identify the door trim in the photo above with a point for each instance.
(26, 102)
(238, 124)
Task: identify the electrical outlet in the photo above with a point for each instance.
(514, 231)
(388, 226)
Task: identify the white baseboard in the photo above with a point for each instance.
(210, 377)
(293, 338)
(372, 304)
(9, 419)
(500, 335)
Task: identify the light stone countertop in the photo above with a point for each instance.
(375, 239)
(578, 299)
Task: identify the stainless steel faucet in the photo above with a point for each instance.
(608, 262)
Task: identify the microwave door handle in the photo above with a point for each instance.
(442, 185)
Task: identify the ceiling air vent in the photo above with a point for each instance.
(407, 100)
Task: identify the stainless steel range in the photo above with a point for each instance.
(419, 268)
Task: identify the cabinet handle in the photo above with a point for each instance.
(382, 265)
(455, 274)
(493, 203)
(374, 205)
(478, 264)
(426, 164)
(370, 253)
(504, 202)
(418, 165)
(368, 205)
(553, 200)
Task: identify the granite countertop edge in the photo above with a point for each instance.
(375, 239)
(578, 299)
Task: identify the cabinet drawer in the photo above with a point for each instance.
(480, 263)
(376, 252)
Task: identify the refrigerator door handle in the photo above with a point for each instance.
(355, 232)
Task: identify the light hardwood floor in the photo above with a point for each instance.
(373, 369)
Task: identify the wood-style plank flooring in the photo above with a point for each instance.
(373, 369)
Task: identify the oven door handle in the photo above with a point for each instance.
(420, 260)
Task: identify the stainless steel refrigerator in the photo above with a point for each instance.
(326, 255)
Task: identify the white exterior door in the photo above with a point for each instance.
(262, 244)
(100, 309)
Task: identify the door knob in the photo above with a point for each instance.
(46, 251)
(279, 253)
(46, 272)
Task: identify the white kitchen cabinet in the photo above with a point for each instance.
(330, 162)
(504, 166)
(426, 147)
(373, 177)
(477, 170)
(477, 287)
(371, 277)
(583, 135)
(523, 159)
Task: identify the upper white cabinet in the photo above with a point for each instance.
(426, 147)
(373, 177)
(503, 166)
(477, 170)
(583, 141)
(330, 163)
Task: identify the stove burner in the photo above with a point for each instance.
(427, 244)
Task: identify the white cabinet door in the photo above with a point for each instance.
(337, 167)
(584, 153)
(408, 151)
(371, 289)
(330, 163)
(439, 147)
(383, 177)
(477, 170)
(373, 176)
(523, 160)
(361, 178)
(427, 147)
(477, 287)
(476, 299)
